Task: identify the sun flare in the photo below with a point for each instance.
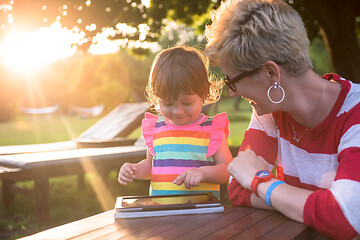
(23, 51)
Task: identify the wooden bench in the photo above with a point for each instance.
(39, 167)
(39, 162)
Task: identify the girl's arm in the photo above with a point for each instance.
(213, 174)
(142, 170)
(218, 173)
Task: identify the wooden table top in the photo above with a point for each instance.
(235, 222)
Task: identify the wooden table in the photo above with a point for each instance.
(39, 167)
(235, 222)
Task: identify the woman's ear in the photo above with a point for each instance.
(272, 71)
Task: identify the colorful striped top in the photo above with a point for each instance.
(178, 148)
(326, 160)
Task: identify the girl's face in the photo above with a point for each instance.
(185, 110)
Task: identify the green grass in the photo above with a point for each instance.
(40, 129)
(67, 202)
(239, 120)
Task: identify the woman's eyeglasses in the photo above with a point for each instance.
(231, 82)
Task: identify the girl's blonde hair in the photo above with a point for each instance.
(246, 33)
(180, 70)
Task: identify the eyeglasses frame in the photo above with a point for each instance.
(231, 82)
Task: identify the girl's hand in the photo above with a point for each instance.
(190, 178)
(245, 165)
(127, 173)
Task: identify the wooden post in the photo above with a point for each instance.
(8, 194)
(81, 181)
(42, 199)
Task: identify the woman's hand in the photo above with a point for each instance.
(245, 165)
(190, 178)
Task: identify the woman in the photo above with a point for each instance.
(305, 125)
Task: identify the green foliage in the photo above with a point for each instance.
(138, 67)
(320, 57)
(311, 24)
(8, 96)
(103, 79)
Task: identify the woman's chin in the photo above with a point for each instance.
(256, 109)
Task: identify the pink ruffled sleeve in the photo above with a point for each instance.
(219, 128)
(148, 124)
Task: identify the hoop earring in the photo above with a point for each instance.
(276, 85)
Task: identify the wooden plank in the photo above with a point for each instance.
(231, 215)
(43, 147)
(178, 228)
(5, 170)
(240, 225)
(31, 160)
(75, 166)
(165, 225)
(77, 228)
(317, 236)
(131, 228)
(292, 228)
(100, 233)
(262, 227)
(100, 143)
(120, 122)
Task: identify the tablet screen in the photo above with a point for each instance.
(165, 200)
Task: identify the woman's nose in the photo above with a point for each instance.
(232, 93)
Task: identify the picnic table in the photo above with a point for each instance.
(41, 166)
(235, 222)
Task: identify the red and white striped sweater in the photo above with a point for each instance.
(326, 161)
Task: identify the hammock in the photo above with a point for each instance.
(88, 112)
(40, 111)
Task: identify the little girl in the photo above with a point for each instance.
(187, 150)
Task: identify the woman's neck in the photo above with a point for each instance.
(312, 98)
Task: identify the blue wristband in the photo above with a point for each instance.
(269, 191)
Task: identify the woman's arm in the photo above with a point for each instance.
(287, 199)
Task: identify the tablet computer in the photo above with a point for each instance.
(166, 202)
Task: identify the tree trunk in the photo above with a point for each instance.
(337, 20)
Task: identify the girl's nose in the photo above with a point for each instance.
(177, 110)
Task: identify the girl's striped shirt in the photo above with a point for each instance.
(179, 148)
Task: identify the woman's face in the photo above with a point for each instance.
(253, 88)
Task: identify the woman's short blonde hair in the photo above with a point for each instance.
(246, 33)
(181, 70)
